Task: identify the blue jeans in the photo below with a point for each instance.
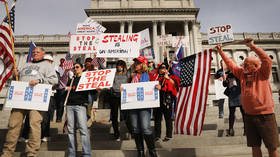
(141, 121)
(77, 119)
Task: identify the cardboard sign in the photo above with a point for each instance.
(119, 45)
(83, 44)
(96, 79)
(23, 96)
(145, 38)
(220, 90)
(148, 53)
(139, 95)
(220, 34)
(184, 40)
(164, 40)
(89, 26)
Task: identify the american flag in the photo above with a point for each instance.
(6, 53)
(192, 95)
(95, 62)
(68, 63)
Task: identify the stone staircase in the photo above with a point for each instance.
(213, 141)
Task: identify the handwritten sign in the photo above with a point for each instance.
(23, 96)
(145, 38)
(96, 79)
(164, 40)
(83, 44)
(89, 26)
(184, 40)
(119, 45)
(140, 95)
(220, 34)
(148, 53)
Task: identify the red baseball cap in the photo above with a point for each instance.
(141, 59)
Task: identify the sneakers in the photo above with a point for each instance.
(21, 139)
(45, 139)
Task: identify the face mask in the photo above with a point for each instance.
(119, 69)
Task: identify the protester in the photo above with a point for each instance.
(220, 75)
(141, 118)
(63, 76)
(169, 86)
(35, 72)
(122, 76)
(152, 67)
(256, 98)
(45, 125)
(233, 91)
(76, 109)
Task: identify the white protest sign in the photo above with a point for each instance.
(96, 79)
(139, 95)
(119, 45)
(145, 38)
(83, 44)
(148, 53)
(220, 34)
(23, 96)
(89, 26)
(220, 89)
(184, 40)
(164, 40)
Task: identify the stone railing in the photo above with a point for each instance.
(41, 37)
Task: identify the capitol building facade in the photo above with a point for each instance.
(162, 17)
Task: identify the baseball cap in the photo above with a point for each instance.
(141, 59)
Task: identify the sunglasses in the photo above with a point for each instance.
(77, 67)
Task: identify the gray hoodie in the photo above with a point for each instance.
(40, 70)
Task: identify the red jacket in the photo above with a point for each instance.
(167, 86)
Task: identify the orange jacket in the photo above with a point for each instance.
(256, 93)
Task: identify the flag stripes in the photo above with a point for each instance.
(6, 53)
(191, 100)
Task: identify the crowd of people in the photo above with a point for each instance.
(247, 88)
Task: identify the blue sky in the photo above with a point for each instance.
(61, 16)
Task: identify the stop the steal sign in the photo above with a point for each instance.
(220, 34)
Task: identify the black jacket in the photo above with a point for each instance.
(77, 98)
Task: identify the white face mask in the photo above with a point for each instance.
(119, 69)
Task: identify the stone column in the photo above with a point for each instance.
(195, 37)
(278, 60)
(156, 50)
(162, 32)
(122, 24)
(130, 26)
(21, 59)
(187, 34)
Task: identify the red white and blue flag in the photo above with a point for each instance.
(68, 63)
(6, 52)
(193, 92)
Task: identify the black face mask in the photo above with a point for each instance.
(161, 75)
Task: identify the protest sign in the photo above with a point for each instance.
(148, 53)
(145, 38)
(220, 34)
(220, 90)
(23, 96)
(184, 40)
(119, 45)
(164, 40)
(139, 95)
(89, 26)
(83, 44)
(96, 79)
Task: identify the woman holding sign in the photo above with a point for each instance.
(141, 118)
(76, 109)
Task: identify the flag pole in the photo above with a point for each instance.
(236, 42)
(12, 38)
